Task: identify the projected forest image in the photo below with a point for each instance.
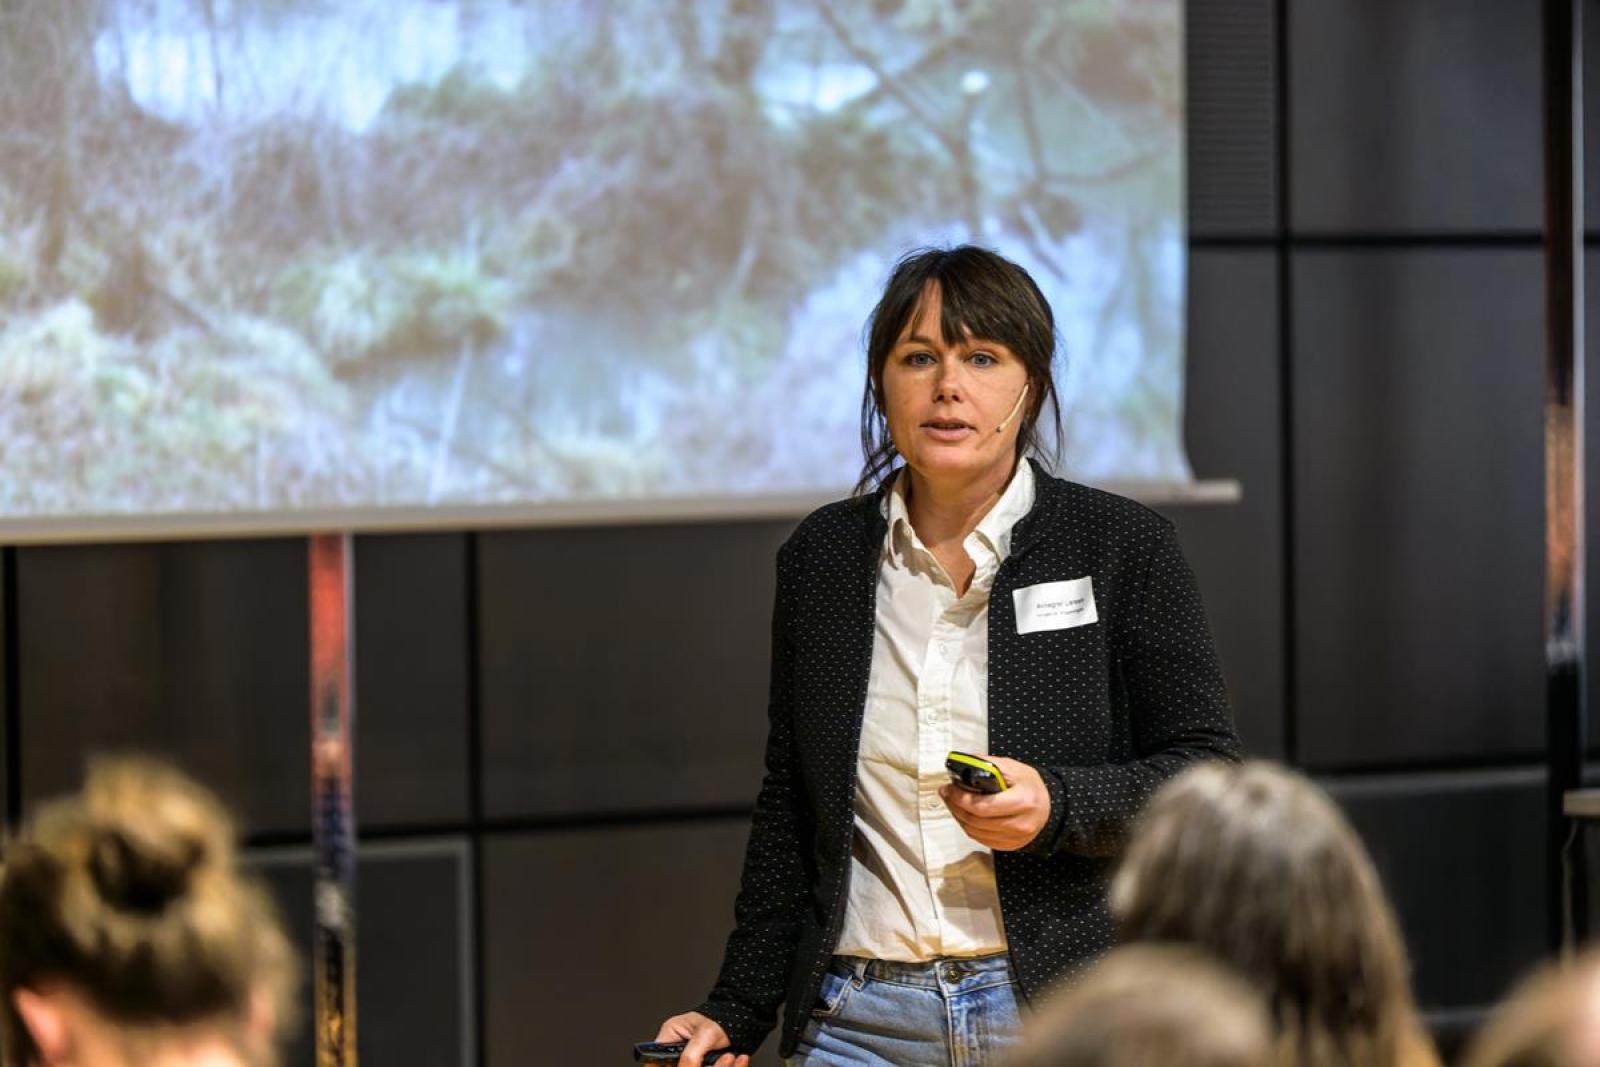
(264, 254)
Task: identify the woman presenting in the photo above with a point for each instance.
(962, 600)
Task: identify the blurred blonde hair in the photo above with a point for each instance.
(1257, 865)
(1151, 1006)
(130, 895)
(1552, 1019)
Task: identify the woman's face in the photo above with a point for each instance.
(946, 403)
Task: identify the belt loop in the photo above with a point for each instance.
(859, 964)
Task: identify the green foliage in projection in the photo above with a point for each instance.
(453, 298)
(14, 278)
(337, 305)
(356, 307)
(214, 414)
(700, 211)
(463, 97)
(655, 193)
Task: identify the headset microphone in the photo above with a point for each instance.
(1014, 409)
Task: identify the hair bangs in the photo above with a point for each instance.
(968, 312)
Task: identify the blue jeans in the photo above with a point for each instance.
(944, 1013)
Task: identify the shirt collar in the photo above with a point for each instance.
(1014, 503)
(994, 528)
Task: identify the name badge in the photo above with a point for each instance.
(1055, 605)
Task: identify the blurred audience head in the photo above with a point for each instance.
(129, 936)
(1257, 865)
(1151, 1006)
(1552, 1020)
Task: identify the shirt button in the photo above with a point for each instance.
(931, 803)
(930, 717)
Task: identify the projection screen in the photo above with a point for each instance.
(284, 264)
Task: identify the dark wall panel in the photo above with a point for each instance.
(1415, 115)
(1418, 506)
(625, 669)
(1462, 857)
(1591, 118)
(198, 651)
(195, 651)
(411, 678)
(1231, 72)
(414, 970)
(1232, 429)
(636, 917)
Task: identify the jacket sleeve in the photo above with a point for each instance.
(1178, 706)
(775, 883)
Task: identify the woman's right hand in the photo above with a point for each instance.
(703, 1035)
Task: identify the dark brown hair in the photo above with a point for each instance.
(130, 895)
(983, 294)
(1257, 865)
(1148, 1005)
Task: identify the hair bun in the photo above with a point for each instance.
(150, 830)
(131, 876)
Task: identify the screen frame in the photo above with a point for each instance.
(684, 510)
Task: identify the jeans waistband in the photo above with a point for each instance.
(943, 973)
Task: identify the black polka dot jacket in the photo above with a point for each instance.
(1106, 711)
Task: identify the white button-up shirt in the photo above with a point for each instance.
(920, 888)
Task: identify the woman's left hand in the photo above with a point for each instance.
(1004, 821)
